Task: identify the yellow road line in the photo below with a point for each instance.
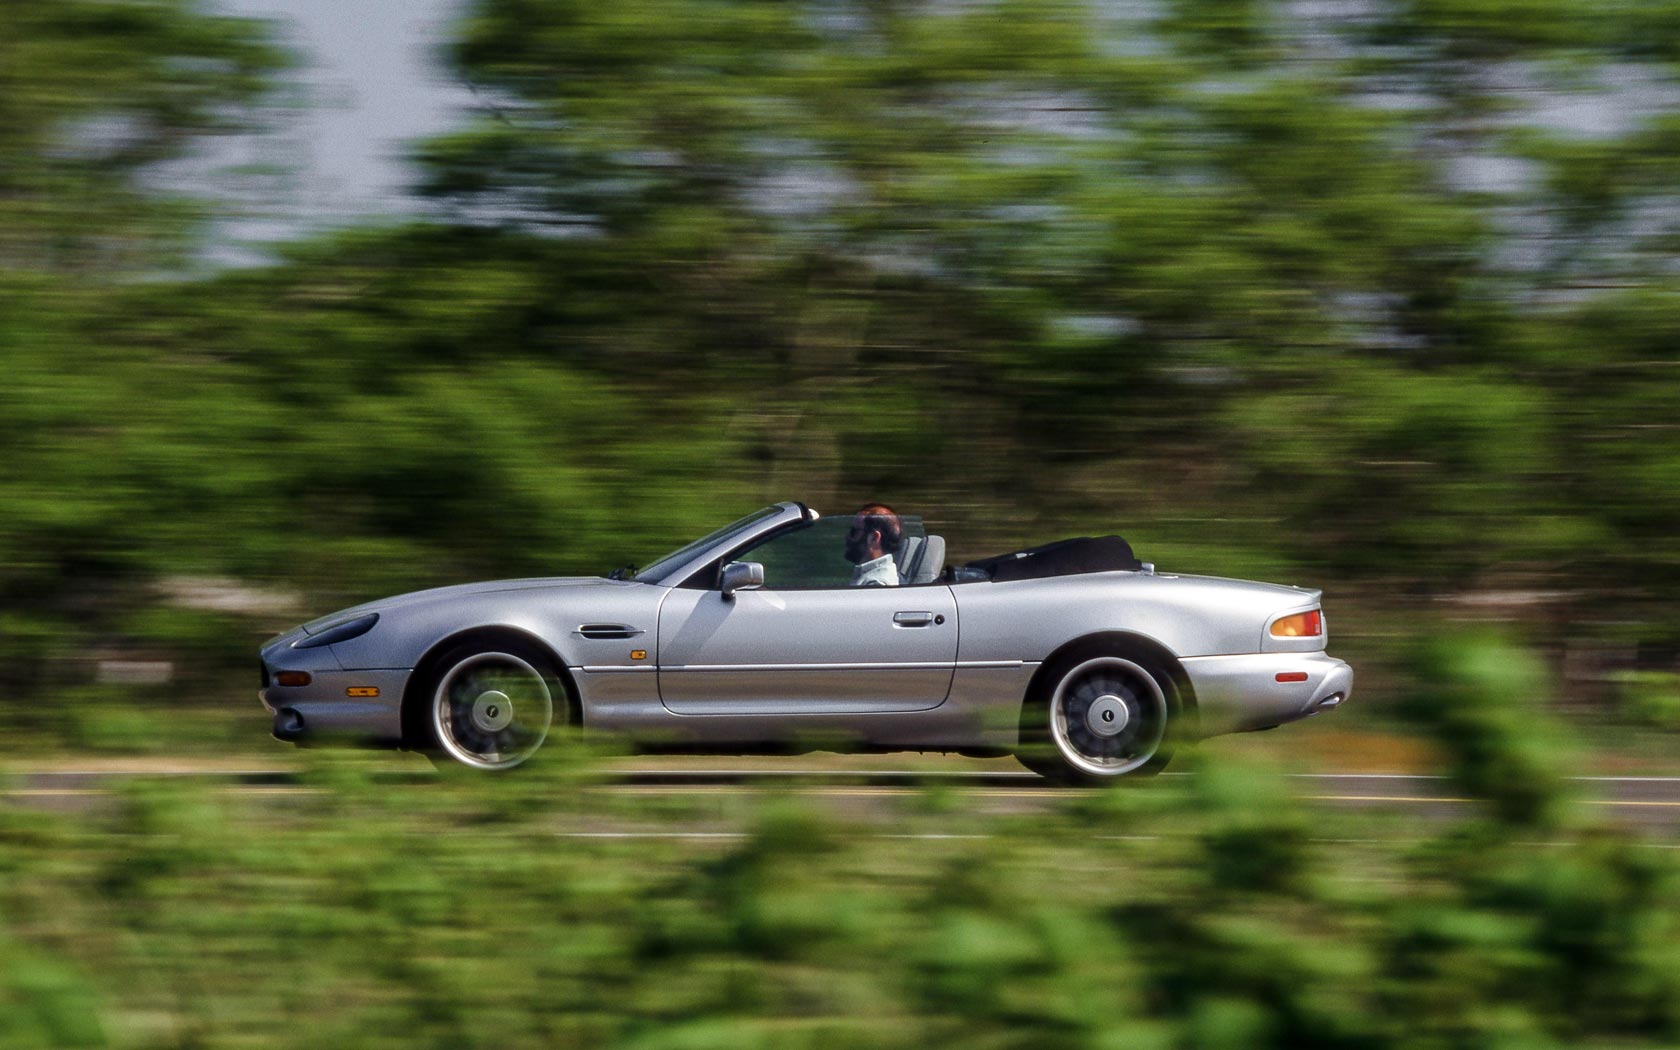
(1411, 798)
(849, 792)
(50, 792)
(888, 792)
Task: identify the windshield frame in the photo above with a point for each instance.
(675, 566)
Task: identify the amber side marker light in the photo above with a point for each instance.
(1292, 676)
(293, 678)
(1301, 625)
(362, 690)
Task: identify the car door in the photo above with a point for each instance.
(857, 649)
(807, 642)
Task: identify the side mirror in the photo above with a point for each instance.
(740, 576)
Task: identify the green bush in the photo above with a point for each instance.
(1215, 909)
(1650, 698)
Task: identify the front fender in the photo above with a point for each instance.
(552, 615)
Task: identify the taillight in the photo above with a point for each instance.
(1309, 624)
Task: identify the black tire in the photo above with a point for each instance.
(1100, 714)
(488, 704)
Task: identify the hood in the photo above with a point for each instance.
(460, 590)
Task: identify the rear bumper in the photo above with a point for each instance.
(1237, 693)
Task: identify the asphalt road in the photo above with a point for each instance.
(1650, 804)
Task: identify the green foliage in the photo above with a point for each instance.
(1218, 909)
(1487, 699)
(1650, 698)
(1231, 271)
(44, 1004)
(92, 94)
(1208, 272)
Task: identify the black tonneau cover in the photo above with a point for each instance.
(1062, 558)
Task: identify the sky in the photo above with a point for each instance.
(370, 83)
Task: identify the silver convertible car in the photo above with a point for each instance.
(1084, 662)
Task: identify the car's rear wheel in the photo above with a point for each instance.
(1097, 717)
(492, 707)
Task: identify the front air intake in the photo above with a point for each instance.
(288, 725)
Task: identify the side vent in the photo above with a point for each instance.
(607, 631)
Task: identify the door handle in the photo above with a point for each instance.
(913, 619)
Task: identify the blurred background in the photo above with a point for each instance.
(304, 303)
(307, 303)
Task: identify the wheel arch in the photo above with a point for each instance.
(414, 732)
(1138, 647)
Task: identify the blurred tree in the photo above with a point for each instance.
(1341, 292)
(93, 95)
(1061, 233)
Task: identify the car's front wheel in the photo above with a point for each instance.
(1098, 716)
(492, 708)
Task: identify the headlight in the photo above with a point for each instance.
(339, 632)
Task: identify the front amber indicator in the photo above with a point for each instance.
(293, 678)
(362, 690)
(1301, 625)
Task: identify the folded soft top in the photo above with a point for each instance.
(1063, 558)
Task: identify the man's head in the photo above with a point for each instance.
(875, 532)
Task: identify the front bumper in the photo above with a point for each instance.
(335, 702)
(1238, 693)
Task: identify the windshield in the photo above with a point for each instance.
(655, 573)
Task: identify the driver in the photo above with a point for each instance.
(870, 546)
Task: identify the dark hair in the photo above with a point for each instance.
(878, 517)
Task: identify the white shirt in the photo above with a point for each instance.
(881, 572)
